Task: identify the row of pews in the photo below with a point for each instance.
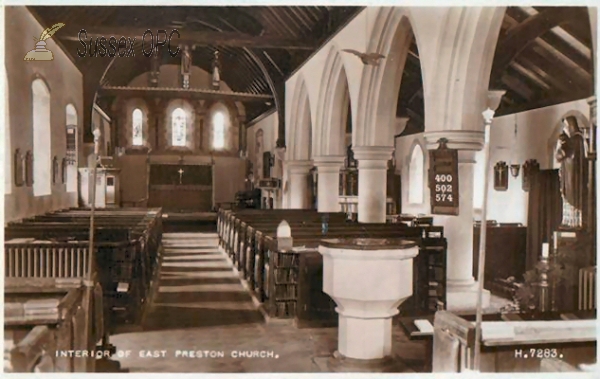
(56, 312)
(288, 282)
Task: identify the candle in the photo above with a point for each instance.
(545, 250)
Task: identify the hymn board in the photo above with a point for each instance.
(443, 180)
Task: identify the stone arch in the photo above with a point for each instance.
(583, 122)
(467, 48)
(301, 132)
(334, 100)
(391, 36)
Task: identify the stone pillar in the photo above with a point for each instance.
(298, 178)
(372, 178)
(461, 286)
(328, 182)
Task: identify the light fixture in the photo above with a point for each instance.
(494, 98)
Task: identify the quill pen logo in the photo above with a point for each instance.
(40, 53)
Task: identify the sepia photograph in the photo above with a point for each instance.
(290, 188)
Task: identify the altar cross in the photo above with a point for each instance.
(180, 174)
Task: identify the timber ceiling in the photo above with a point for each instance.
(259, 46)
(543, 56)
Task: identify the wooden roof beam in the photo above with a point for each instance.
(180, 92)
(520, 36)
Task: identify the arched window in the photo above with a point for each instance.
(218, 131)
(415, 176)
(478, 180)
(42, 169)
(179, 127)
(71, 158)
(136, 121)
(7, 145)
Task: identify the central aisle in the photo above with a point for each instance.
(202, 319)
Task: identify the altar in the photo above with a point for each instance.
(178, 187)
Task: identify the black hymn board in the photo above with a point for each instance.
(443, 180)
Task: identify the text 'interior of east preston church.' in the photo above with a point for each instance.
(300, 189)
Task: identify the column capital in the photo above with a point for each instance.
(373, 153)
(457, 139)
(336, 161)
(299, 167)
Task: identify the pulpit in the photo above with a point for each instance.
(107, 187)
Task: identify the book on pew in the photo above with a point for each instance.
(424, 328)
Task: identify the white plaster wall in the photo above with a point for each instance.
(536, 135)
(66, 87)
(269, 126)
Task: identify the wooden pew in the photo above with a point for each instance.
(513, 346)
(250, 240)
(46, 316)
(126, 255)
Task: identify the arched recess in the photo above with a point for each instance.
(392, 36)
(42, 169)
(416, 174)
(8, 169)
(552, 144)
(333, 109)
(72, 134)
(300, 146)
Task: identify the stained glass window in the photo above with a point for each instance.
(218, 131)
(179, 127)
(136, 118)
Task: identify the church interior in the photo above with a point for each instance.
(286, 189)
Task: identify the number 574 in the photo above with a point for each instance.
(443, 197)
